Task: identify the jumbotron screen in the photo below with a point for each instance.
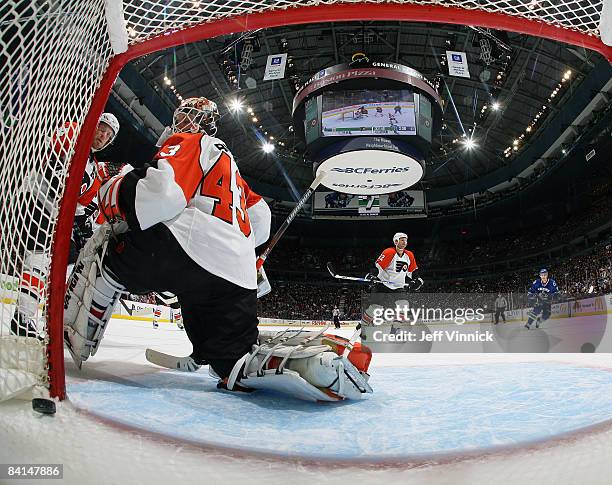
(397, 205)
(368, 112)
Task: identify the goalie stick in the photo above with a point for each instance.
(187, 364)
(183, 364)
(281, 230)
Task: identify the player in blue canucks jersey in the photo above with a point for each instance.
(540, 295)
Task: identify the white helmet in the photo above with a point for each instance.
(398, 235)
(112, 121)
(202, 114)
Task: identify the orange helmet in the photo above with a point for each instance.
(196, 115)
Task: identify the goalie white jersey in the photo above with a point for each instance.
(194, 187)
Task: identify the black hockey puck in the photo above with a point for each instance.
(43, 406)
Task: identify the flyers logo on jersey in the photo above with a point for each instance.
(401, 266)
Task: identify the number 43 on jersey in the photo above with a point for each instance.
(220, 184)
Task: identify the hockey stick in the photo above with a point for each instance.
(187, 364)
(127, 309)
(281, 230)
(183, 364)
(331, 270)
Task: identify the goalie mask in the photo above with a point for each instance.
(196, 115)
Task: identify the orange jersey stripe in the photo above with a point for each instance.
(181, 151)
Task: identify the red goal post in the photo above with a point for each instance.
(58, 64)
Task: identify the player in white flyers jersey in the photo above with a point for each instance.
(394, 264)
(397, 273)
(192, 228)
(39, 212)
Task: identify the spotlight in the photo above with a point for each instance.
(268, 147)
(236, 105)
(470, 144)
(495, 106)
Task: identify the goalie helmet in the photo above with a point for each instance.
(112, 121)
(196, 115)
(398, 235)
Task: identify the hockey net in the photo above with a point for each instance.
(58, 61)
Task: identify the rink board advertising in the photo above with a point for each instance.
(397, 205)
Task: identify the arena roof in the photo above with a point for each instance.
(518, 85)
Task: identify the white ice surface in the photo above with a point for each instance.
(94, 452)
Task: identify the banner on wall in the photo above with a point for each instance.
(457, 64)
(275, 67)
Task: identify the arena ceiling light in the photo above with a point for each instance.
(267, 147)
(495, 106)
(470, 144)
(236, 105)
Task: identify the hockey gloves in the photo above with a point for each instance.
(108, 199)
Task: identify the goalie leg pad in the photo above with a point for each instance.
(90, 298)
(313, 369)
(25, 322)
(359, 355)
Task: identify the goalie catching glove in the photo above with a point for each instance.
(308, 365)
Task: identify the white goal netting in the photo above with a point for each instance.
(53, 58)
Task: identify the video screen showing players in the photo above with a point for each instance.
(365, 112)
(397, 205)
